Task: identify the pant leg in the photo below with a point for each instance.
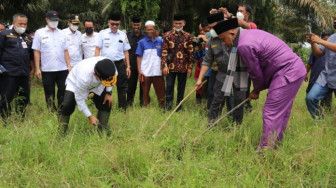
(276, 112)
(170, 83)
(8, 90)
(60, 81)
(122, 83)
(49, 81)
(316, 93)
(159, 87)
(181, 84)
(212, 81)
(99, 100)
(248, 103)
(217, 102)
(68, 104)
(146, 85)
(141, 94)
(132, 86)
(326, 102)
(238, 97)
(23, 94)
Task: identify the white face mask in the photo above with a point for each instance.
(19, 30)
(178, 30)
(213, 33)
(240, 15)
(53, 24)
(74, 27)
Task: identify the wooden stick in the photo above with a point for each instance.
(219, 119)
(171, 114)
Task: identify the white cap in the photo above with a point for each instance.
(149, 22)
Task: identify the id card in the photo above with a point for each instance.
(24, 45)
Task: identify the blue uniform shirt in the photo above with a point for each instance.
(16, 52)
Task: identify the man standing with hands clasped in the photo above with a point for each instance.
(149, 64)
(113, 44)
(177, 60)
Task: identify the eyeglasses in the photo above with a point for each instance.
(114, 24)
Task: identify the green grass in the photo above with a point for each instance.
(33, 155)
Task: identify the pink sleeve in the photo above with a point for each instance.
(253, 25)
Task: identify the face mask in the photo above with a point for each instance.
(88, 31)
(208, 34)
(240, 15)
(19, 30)
(178, 30)
(335, 25)
(53, 24)
(74, 27)
(213, 33)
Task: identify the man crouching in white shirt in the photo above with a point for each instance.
(93, 78)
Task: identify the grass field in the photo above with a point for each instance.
(33, 155)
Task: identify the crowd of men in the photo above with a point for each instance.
(229, 53)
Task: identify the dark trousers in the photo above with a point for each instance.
(211, 83)
(122, 83)
(248, 105)
(219, 100)
(13, 86)
(50, 79)
(326, 102)
(170, 83)
(159, 87)
(69, 103)
(132, 86)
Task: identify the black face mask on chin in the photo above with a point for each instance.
(88, 31)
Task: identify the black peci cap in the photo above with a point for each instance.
(136, 19)
(226, 25)
(114, 17)
(178, 17)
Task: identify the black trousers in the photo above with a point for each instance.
(50, 79)
(11, 87)
(69, 103)
(219, 100)
(170, 83)
(122, 83)
(132, 86)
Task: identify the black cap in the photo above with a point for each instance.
(105, 68)
(74, 19)
(136, 19)
(226, 25)
(52, 15)
(178, 17)
(114, 17)
(216, 17)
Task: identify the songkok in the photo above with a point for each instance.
(178, 17)
(226, 25)
(136, 19)
(114, 17)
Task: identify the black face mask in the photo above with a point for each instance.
(335, 25)
(88, 31)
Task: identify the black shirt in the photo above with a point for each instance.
(16, 52)
(133, 40)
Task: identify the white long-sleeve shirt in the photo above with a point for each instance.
(81, 81)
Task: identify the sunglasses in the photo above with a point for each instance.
(114, 24)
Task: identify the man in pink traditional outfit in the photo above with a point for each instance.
(271, 65)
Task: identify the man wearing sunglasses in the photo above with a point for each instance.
(113, 44)
(93, 78)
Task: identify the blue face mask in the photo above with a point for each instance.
(208, 34)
